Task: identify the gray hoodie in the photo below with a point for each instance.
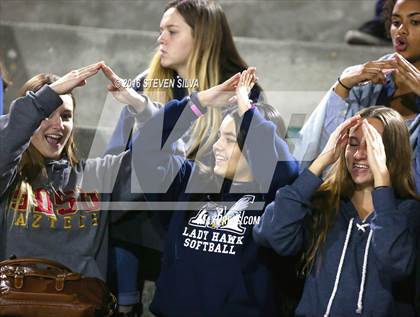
(64, 221)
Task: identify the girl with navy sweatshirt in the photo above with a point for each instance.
(358, 227)
(211, 264)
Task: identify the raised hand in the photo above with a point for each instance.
(409, 73)
(246, 82)
(373, 71)
(123, 94)
(376, 155)
(75, 78)
(335, 146)
(219, 96)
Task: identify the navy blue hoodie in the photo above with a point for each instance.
(211, 264)
(377, 260)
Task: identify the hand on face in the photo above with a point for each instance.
(123, 94)
(75, 78)
(409, 73)
(335, 146)
(376, 154)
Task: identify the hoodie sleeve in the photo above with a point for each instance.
(395, 229)
(268, 155)
(327, 116)
(100, 174)
(282, 225)
(154, 149)
(129, 121)
(103, 173)
(17, 128)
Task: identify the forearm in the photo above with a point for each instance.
(318, 166)
(282, 225)
(154, 151)
(271, 161)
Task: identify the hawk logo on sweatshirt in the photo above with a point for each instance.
(213, 216)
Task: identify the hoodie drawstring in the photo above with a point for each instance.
(340, 267)
(364, 269)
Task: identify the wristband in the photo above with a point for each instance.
(342, 85)
(196, 111)
(194, 99)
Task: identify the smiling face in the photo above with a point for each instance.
(405, 29)
(175, 41)
(54, 132)
(229, 160)
(356, 155)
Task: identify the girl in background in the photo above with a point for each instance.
(196, 51)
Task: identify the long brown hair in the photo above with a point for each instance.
(339, 185)
(214, 59)
(32, 163)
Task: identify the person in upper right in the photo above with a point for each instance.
(372, 32)
(393, 80)
(358, 227)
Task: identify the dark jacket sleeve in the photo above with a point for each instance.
(282, 226)
(17, 128)
(395, 229)
(154, 149)
(127, 121)
(271, 162)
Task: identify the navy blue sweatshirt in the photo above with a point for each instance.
(211, 264)
(377, 259)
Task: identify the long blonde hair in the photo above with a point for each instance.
(339, 185)
(214, 58)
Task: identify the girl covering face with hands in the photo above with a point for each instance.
(358, 227)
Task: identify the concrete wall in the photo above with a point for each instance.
(57, 36)
(304, 20)
(294, 74)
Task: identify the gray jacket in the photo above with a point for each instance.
(64, 222)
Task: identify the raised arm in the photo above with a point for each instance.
(137, 111)
(339, 104)
(27, 113)
(283, 224)
(268, 154)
